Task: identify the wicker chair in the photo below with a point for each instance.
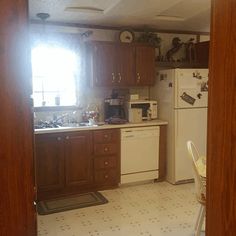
(200, 186)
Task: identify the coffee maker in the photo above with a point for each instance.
(114, 108)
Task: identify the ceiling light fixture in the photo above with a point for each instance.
(87, 10)
(169, 18)
(43, 16)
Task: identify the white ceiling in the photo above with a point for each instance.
(190, 15)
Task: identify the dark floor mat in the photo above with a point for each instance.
(69, 203)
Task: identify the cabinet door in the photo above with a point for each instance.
(145, 65)
(104, 64)
(78, 161)
(49, 150)
(202, 53)
(126, 65)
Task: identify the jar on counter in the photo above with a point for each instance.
(91, 112)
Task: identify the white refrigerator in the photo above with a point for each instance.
(182, 96)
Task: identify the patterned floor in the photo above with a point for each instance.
(155, 209)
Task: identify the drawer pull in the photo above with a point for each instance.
(106, 149)
(105, 136)
(106, 176)
(67, 137)
(58, 138)
(106, 163)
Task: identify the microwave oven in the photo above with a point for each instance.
(149, 108)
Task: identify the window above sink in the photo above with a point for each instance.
(56, 69)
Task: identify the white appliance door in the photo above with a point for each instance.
(139, 149)
(191, 88)
(190, 124)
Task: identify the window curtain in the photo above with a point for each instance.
(72, 42)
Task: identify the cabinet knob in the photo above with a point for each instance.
(67, 137)
(106, 163)
(58, 138)
(119, 75)
(138, 77)
(106, 149)
(106, 176)
(105, 136)
(113, 77)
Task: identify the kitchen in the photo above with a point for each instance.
(95, 127)
(75, 159)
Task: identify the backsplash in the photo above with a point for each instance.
(90, 96)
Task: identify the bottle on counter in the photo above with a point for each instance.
(149, 114)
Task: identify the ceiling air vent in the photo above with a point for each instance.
(86, 10)
(169, 18)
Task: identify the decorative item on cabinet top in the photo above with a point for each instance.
(126, 36)
(185, 55)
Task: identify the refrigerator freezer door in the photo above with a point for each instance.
(191, 89)
(190, 124)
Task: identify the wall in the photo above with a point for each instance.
(96, 96)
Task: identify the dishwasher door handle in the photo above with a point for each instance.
(129, 136)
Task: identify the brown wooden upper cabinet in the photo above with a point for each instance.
(145, 65)
(202, 53)
(121, 65)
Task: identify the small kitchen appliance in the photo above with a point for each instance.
(114, 108)
(149, 108)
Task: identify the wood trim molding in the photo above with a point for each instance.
(162, 152)
(102, 27)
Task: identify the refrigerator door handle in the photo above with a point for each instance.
(176, 125)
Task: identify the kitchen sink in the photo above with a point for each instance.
(80, 125)
(52, 125)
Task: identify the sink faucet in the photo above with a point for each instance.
(56, 118)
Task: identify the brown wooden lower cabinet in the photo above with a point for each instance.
(49, 149)
(78, 159)
(107, 177)
(66, 162)
(106, 144)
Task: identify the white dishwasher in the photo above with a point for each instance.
(139, 154)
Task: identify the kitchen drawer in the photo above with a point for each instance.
(105, 136)
(106, 177)
(105, 149)
(105, 162)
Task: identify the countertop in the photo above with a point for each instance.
(100, 127)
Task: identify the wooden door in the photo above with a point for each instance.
(78, 160)
(221, 156)
(125, 65)
(49, 152)
(17, 211)
(145, 65)
(104, 64)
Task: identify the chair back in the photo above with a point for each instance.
(200, 188)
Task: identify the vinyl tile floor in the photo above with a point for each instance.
(153, 209)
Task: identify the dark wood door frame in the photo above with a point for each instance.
(221, 155)
(16, 147)
(17, 210)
